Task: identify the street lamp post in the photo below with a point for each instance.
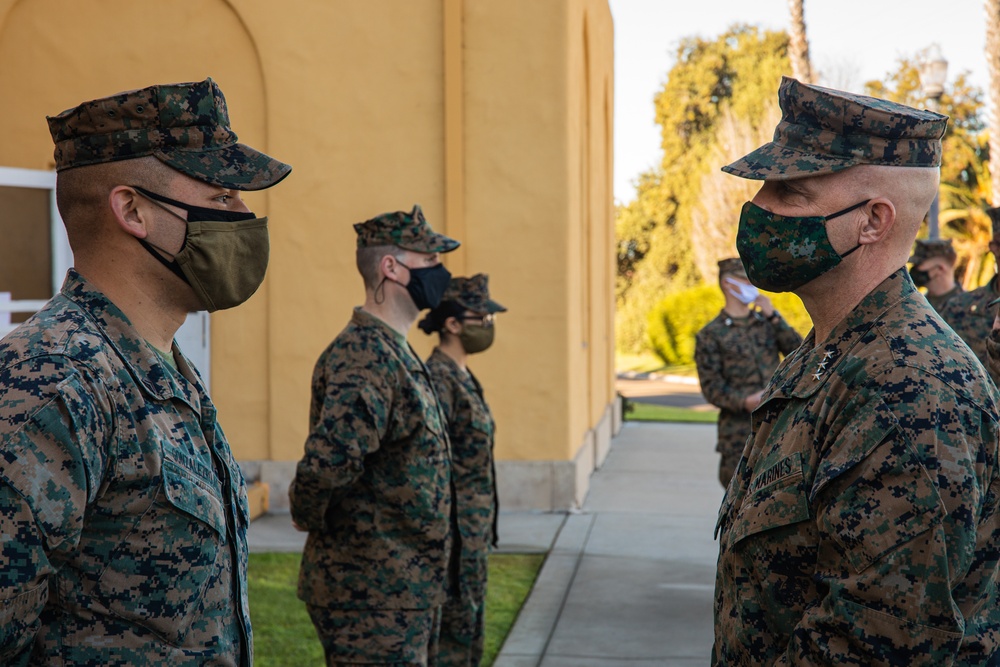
(933, 73)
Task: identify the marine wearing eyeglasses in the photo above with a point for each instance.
(464, 322)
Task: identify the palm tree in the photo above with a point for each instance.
(993, 66)
(798, 45)
(965, 217)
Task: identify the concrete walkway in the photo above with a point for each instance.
(630, 579)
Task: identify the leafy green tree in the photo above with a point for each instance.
(735, 75)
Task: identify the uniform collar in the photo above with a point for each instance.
(804, 372)
(138, 356)
(363, 318)
(752, 317)
(439, 356)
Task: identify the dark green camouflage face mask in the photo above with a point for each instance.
(781, 253)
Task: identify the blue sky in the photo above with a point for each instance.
(850, 41)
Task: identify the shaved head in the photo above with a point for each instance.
(910, 189)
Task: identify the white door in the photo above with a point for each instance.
(30, 221)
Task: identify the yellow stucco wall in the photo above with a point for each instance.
(495, 116)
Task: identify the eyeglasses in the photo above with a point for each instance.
(485, 320)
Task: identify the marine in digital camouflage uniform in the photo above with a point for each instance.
(464, 321)
(736, 353)
(933, 267)
(374, 486)
(969, 313)
(861, 526)
(122, 510)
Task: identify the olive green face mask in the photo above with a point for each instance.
(224, 262)
(476, 337)
(224, 256)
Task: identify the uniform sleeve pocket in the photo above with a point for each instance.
(776, 498)
(872, 492)
(883, 502)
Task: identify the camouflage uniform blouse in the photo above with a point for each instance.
(122, 512)
(735, 358)
(373, 488)
(971, 317)
(862, 526)
(470, 430)
(938, 302)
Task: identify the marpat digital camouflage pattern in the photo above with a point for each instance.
(367, 638)
(970, 315)
(374, 486)
(122, 512)
(409, 231)
(993, 354)
(938, 301)
(823, 131)
(471, 432)
(732, 266)
(735, 358)
(184, 125)
(862, 525)
(473, 294)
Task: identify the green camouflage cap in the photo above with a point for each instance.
(929, 248)
(994, 214)
(823, 131)
(184, 125)
(409, 231)
(473, 294)
(733, 266)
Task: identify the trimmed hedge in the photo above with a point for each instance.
(675, 320)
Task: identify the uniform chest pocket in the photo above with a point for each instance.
(775, 498)
(158, 576)
(481, 420)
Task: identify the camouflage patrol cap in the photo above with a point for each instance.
(409, 231)
(994, 214)
(473, 294)
(926, 249)
(732, 266)
(824, 131)
(184, 125)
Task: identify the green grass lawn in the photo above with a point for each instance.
(647, 412)
(284, 635)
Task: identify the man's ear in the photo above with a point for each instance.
(389, 268)
(879, 221)
(123, 201)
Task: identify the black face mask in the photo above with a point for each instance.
(427, 285)
(920, 278)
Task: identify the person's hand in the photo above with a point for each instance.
(762, 302)
(996, 321)
(752, 401)
(298, 527)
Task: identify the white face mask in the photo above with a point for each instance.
(745, 293)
